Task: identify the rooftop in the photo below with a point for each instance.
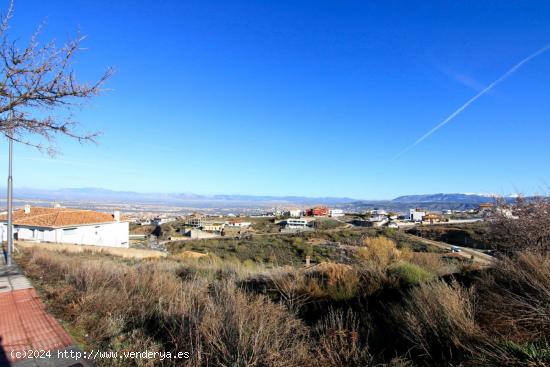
(57, 217)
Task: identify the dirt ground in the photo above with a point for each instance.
(123, 252)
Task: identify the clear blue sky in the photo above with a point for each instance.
(301, 97)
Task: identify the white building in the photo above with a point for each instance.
(336, 213)
(195, 222)
(64, 225)
(378, 218)
(295, 213)
(161, 220)
(212, 226)
(415, 215)
(379, 212)
(238, 224)
(296, 223)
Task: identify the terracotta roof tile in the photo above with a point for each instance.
(57, 217)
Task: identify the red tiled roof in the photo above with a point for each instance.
(57, 217)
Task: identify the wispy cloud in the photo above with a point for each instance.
(503, 77)
(468, 81)
(461, 78)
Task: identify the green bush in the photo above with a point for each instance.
(411, 274)
(534, 353)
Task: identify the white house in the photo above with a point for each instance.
(212, 226)
(296, 223)
(64, 225)
(161, 220)
(415, 215)
(295, 213)
(379, 212)
(238, 224)
(336, 213)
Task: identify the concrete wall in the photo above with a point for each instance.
(198, 234)
(114, 234)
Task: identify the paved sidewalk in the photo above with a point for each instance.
(25, 325)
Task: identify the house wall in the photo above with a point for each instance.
(114, 234)
(296, 223)
(416, 216)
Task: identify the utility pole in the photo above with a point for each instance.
(10, 201)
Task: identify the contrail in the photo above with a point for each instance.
(474, 98)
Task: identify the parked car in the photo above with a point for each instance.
(455, 249)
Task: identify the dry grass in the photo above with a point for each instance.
(433, 263)
(147, 306)
(116, 251)
(516, 298)
(381, 252)
(328, 281)
(357, 315)
(189, 255)
(437, 319)
(339, 341)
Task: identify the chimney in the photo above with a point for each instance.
(116, 215)
(27, 209)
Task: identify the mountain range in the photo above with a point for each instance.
(439, 201)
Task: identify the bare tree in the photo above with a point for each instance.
(525, 225)
(35, 81)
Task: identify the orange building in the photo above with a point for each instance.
(485, 206)
(319, 211)
(432, 218)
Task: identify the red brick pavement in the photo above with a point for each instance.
(26, 325)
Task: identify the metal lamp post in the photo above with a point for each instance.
(10, 204)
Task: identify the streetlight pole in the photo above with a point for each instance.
(10, 203)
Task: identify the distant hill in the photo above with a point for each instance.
(431, 202)
(177, 199)
(400, 204)
(445, 198)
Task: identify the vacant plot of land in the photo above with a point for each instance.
(123, 252)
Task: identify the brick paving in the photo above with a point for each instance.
(26, 325)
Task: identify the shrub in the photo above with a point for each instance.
(123, 306)
(240, 330)
(523, 227)
(508, 353)
(529, 353)
(378, 252)
(410, 274)
(437, 321)
(324, 281)
(515, 298)
(432, 262)
(339, 341)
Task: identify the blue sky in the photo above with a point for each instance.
(301, 97)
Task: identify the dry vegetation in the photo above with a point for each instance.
(116, 251)
(390, 307)
(523, 226)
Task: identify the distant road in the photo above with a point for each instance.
(466, 252)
